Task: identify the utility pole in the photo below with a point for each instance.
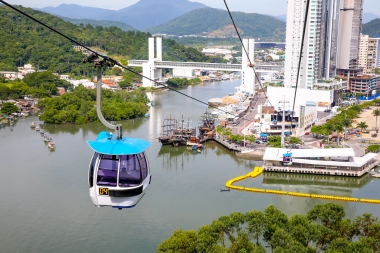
(283, 125)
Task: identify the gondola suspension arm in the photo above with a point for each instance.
(99, 62)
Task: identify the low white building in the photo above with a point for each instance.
(335, 161)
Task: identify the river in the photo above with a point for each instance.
(44, 202)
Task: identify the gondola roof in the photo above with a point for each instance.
(107, 143)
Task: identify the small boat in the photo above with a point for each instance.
(32, 125)
(42, 132)
(376, 175)
(224, 190)
(47, 139)
(51, 146)
(37, 128)
(198, 150)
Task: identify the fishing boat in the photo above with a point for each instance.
(51, 145)
(32, 125)
(47, 138)
(37, 128)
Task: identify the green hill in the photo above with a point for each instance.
(25, 41)
(214, 22)
(104, 23)
(372, 28)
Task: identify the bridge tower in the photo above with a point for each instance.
(248, 80)
(149, 70)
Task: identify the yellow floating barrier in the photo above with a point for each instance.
(297, 194)
(371, 201)
(254, 190)
(276, 192)
(258, 170)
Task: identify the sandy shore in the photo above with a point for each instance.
(367, 117)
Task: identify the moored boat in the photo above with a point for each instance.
(32, 125)
(51, 145)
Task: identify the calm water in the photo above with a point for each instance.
(44, 202)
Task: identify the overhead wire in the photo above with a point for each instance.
(300, 56)
(112, 60)
(245, 50)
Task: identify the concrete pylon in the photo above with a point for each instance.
(151, 51)
(154, 74)
(248, 76)
(159, 48)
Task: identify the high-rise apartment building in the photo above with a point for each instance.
(350, 23)
(320, 44)
(368, 50)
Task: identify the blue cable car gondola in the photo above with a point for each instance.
(119, 170)
(287, 158)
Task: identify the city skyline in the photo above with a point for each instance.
(257, 6)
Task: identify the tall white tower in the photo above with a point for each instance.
(248, 80)
(319, 43)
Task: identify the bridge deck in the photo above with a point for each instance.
(204, 65)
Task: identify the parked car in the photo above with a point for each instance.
(246, 143)
(259, 142)
(327, 110)
(306, 133)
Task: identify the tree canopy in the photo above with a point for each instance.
(323, 229)
(78, 106)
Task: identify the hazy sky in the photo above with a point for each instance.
(272, 7)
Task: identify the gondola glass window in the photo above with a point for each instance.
(107, 172)
(129, 171)
(92, 167)
(143, 165)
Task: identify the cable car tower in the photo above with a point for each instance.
(119, 171)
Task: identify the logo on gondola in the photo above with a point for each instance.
(103, 191)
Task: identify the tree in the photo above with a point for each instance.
(4, 92)
(256, 224)
(9, 108)
(180, 241)
(362, 125)
(376, 113)
(329, 128)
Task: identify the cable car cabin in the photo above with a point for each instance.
(287, 158)
(119, 171)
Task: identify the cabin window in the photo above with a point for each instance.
(129, 171)
(91, 172)
(143, 165)
(107, 172)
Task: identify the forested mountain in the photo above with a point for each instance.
(216, 22)
(24, 41)
(369, 16)
(143, 14)
(104, 23)
(372, 28)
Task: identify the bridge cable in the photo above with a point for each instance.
(245, 50)
(110, 60)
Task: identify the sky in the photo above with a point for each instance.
(271, 7)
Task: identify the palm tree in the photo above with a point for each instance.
(362, 125)
(376, 113)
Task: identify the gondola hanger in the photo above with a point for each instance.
(119, 171)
